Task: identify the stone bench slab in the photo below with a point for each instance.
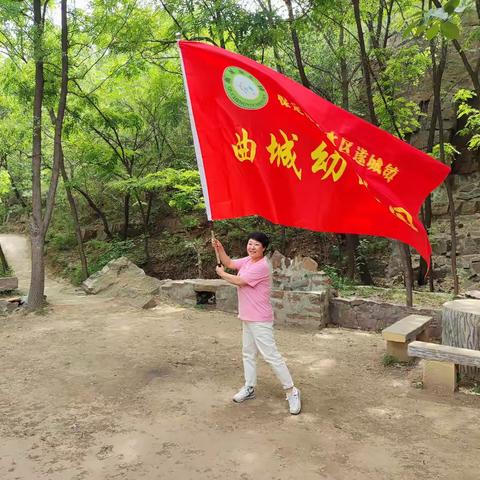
(8, 283)
(407, 328)
(444, 353)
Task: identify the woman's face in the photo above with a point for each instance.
(255, 249)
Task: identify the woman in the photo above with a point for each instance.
(253, 283)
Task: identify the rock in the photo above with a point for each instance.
(469, 194)
(473, 294)
(439, 209)
(122, 278)
(88, 234)
(101, 235)
(468, 208)
(309, 264)
(277, 260)
(7, 307)
(439, 246)
(470, 246)
(475, 266)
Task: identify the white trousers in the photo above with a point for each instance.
(258, 337)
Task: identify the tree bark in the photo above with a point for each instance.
(296, 45)
(441, 140)
(365, 63)
(3, 261)
(468, 67)
(461, 328)
(18, 195)
(427, 220)
(407, 267)
(126, 216)
(453, 232)
(40, 225)
(76, 222)
(37, 236)
(97, 210)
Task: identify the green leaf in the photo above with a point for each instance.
(450, 30)
(432, 31)
(419, 30)
(451, 5)
(409, 30)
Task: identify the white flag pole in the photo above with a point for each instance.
(196, 143)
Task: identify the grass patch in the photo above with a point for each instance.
(7, 273)
(388, 360)
(391, 361)
(395, 295)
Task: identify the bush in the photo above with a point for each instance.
(100, 253)
(62, 241)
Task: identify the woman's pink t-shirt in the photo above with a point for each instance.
(254, 297)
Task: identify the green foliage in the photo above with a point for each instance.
(338, 281)
(100, 253)
(449, 150)
(472, 116)
(5, 183)
(397, 115)
(181, 188)
(388, 360)
(404, 69)
(61, 241)
(443, 21)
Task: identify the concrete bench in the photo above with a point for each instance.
(401, 333)
(441, 361)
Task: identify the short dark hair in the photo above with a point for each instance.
(259, 237)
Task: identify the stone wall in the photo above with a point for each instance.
(375, 316)
(8, 283)
(301, 308)
(290, 307)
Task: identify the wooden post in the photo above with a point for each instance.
(461, 328)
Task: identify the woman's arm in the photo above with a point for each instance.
(224, 258)
(233, 279)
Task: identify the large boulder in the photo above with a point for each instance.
(122, 278)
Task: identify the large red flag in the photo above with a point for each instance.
(268, 146)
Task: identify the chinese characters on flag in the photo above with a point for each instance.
(267, 146)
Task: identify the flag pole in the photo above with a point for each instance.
(198, 151)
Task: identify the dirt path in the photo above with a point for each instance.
(96, 390)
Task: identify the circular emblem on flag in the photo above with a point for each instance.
(243, 89)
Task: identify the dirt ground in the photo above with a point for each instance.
(93, 389)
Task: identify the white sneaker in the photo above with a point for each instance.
(294, 401)
(245, 393)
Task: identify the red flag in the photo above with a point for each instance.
(268, 146)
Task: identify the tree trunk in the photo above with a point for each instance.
(407, 267)
(427, 220)
(97, 210)
(144, 214)
(296, 45)
(3, 261)
(37, 238)
(453, 233)
(468, 67)
(14, 186)
(365, 63)
(441, 140)
(461, 328)
(40, 225)
(76, 222)
(126, 216)
(351, 242)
